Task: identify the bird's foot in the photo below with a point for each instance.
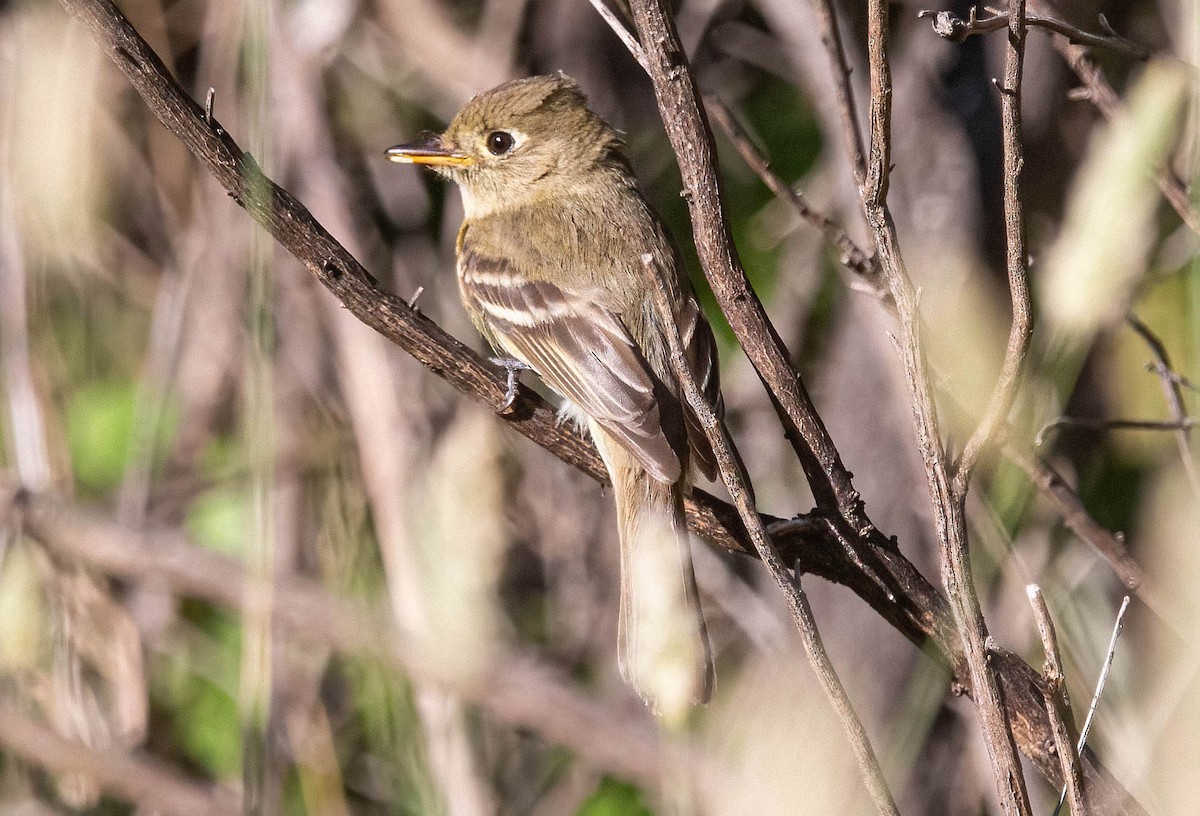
(513, 367)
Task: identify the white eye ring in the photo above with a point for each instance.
(503, 142)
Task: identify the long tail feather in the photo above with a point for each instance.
(663, 649)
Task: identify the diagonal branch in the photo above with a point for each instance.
(1058, 702)
(850, 255)
(902, 597)
(138, 780)
(1102, 95)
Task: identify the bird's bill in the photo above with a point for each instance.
(428, 149)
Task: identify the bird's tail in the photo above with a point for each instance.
(663, 650)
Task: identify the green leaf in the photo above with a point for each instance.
(99, 426)
(219, 519)
(614, 798)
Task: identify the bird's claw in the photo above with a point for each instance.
(513, 367)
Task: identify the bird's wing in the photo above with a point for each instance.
(701, 350)
(579, 348)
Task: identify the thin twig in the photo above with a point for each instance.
(839, 71)
(850, 255)
(949, 26)
(689, 134)
(737, 481)
(1092, 424)
(995, 416)
(1173, 392)
(1108, 661)
(622, 32)
(949, 510)
(1058, 702)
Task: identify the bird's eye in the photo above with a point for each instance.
(499, 142)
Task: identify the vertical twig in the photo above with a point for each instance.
(687, 128)
(949, 512)
(839, 69)
(1058, 703)
(1005, 392)
(737, 481)
(1108, 661)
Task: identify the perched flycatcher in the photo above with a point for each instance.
(550, 270)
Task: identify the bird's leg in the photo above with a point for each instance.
(514, 367)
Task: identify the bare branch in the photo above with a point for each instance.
(948, 508)
(687, 128)
(737, 481)
(850, 255)
(1108, 660)
(1090, 423)
(905, 599)
(137, 780)
(949, 26)
(1173, 392)
(1058, 702)
(839, 70)
(1101, 94)
(623, 33)
(995, 416)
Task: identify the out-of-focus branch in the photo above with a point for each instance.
(1173, 392)
(737, 481)
(995, 416)
(1102, 95)
(686, 126)
(514, 690)
(137, 780)
(949, 26)
(1058, 702)
(896, 590)
(839, 70)
(1091, 423)
(851, 256)
(948, 508)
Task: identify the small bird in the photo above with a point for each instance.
(551, 272)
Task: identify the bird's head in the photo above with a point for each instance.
(522, 141)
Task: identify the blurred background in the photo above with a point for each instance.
(169, 374)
